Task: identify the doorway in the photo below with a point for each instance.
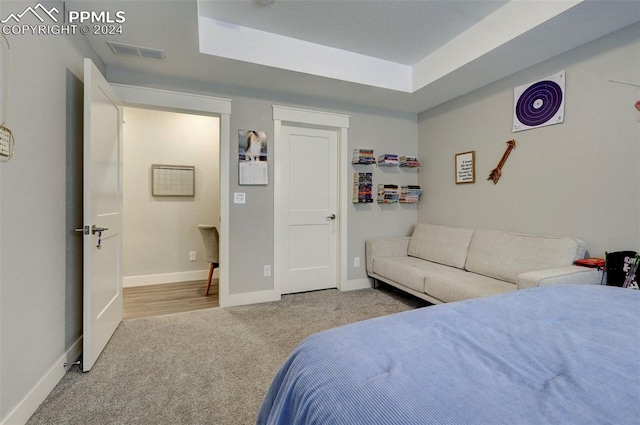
(200, 105)
(164, 267)
(326, 134)
(309, 202)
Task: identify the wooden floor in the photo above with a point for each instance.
(155, 300)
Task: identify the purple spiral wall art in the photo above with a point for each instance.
(540, 103)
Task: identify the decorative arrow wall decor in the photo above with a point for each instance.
(497, 172)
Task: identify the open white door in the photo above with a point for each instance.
(102, 203)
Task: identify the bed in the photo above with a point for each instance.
(549, 355)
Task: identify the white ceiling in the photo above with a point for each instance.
(399, 31)
(402, 55)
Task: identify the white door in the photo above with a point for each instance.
(309, 204)
(102, 204)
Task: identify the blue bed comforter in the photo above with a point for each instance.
(555, 355)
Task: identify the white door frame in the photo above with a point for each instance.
(283, 115)
(199, 104)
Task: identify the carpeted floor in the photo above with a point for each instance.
(203, 367)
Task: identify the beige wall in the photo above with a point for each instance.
(580, 178)
(159, 232)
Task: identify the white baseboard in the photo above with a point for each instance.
(352, 285)
(155, 279)
(271, 295)
(251, 298)
(28, 405)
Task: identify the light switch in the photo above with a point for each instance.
(239, 198)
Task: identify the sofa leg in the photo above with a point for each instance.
(375, 283)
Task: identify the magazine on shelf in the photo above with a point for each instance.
(362, 188)
(409, 161)
(363, 156)
(388, 193)
(410, 194)
(388, 159)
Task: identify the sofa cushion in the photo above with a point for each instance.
(504, 255)
(440, 244)
(407, 271)
(457, 285)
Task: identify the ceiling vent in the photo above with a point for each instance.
(137, 51)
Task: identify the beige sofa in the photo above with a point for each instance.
(444, 264)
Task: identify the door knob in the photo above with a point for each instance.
(98, 230)
(332, 216)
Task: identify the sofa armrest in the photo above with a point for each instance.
(569, 275)
(385, 247)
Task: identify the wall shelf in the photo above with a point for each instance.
(387, 193)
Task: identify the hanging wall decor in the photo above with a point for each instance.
(539, 104)
(173, 180)
(252, 157)
(466, 167)
(497, 172)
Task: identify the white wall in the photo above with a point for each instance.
(40, 298)
(579, 178)
(159, 232)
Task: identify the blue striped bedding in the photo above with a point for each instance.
(552, 355)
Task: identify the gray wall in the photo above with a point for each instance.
(579, 178)
(40, 286)
(251, 224)
(385, 134)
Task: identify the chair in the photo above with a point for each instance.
(210, 239)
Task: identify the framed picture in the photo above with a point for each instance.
(466, 167)
(173, 180)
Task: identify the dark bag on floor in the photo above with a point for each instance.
(631, 279)
(616, 266)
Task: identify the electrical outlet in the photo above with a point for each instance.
(356, 262)
(267, 271)
(193, 256)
